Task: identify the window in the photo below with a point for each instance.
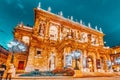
(93, 39)
(65, 32)
(25, 39)
(38, 53)
(84, 37)
(53, 33)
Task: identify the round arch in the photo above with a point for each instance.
(91, 62)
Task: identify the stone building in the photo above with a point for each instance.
(115, 58)
(52, 41)
(3, 55)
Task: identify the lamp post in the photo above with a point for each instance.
(76, 55)
(16, 46)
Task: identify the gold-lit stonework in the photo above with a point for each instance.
(3, 55)
(115, 58)
(53, 38)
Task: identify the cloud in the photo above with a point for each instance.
(20, 5)
(9, 1)
(17, 3)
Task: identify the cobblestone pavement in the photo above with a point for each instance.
(67, 78)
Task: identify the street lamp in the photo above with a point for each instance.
(76, 55)
(16, 46)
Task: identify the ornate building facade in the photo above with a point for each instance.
(115, 58)
(52, 41)
(3, 55)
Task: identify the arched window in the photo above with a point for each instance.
(53, 32)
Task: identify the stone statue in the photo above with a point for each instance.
(52, 61)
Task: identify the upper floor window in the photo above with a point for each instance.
(38, 53)
(93, 39)
(84, 37)
(65, 32)
(101, 40)
(53, 32)
(25, 39)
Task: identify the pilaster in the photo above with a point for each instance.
(30, 61)
(84, 64)
(59, 31)
(47, 30)
(36, 26)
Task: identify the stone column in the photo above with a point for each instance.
(59, 63)
(36, 26)
(81, 62)
(110, 63)
(59, 32)
(95, 67)
(98, 59)
(64, 56)
(30, 61)
(105, 66)
(84, 61)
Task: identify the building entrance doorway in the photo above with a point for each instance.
(21, 65)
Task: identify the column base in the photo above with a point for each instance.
(78, 73)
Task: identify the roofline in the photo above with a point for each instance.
(67, 21)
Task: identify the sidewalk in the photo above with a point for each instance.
(82, 75)
(97, 74)
(117, 73)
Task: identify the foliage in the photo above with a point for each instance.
(69, 72)
(38, 73)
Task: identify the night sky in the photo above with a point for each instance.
(103, 13)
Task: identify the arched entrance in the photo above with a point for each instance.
(90, 63)
(73, 59)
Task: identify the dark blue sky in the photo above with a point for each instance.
(103, 13)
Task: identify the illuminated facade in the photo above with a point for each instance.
(115, 58)
(3, 55)
(54, 38)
